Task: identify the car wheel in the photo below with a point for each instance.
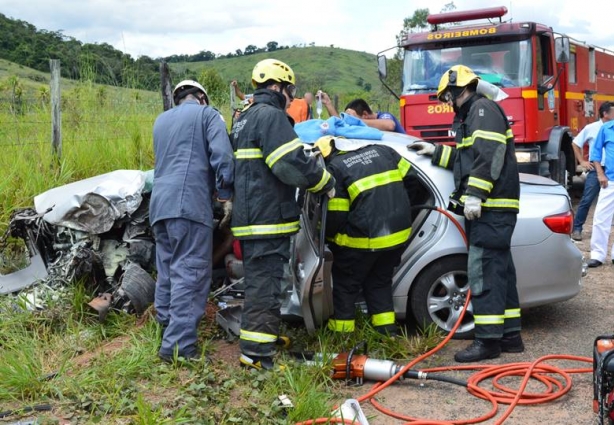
(438, 295)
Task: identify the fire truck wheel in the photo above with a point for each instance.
(438, 295)
(558, 170)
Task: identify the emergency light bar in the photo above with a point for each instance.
(468, 15)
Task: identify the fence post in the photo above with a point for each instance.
(165, 84)
(56, 112)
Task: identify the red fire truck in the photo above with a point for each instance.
(554, 84)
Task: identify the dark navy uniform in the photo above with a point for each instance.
(484, 165)
(368, 225)
(270, 165)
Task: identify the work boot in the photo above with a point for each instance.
(390, 331)
(256, 362)
(576, 235)
(512, 343)
(193, 358)
(480, 349)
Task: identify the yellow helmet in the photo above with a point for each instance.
(272, 69)
(457, 76)
(325, 145)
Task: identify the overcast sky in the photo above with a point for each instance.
(158, 28)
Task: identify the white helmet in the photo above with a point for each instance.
(188, 87)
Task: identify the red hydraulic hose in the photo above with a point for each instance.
(537, 370)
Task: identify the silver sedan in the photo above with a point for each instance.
(430, 285)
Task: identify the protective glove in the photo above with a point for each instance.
(473, 207)
(227, 206)
(331, 193)
(423, 148)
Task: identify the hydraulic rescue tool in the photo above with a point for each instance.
(603, 379)
(356, 367)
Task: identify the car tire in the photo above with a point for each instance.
(438, 295)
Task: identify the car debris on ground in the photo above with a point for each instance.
(96, 230)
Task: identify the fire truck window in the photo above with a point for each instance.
(572, 69)
(481, 63)
(544, 65)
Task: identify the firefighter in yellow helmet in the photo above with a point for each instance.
(270, 165)
(487, 193)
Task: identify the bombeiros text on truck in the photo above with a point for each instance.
(554, 83)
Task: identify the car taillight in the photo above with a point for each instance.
(560, 223)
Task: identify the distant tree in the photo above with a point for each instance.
(202, 56)
(418, 21)
(271, 46)
(239, 52)
(251, 49)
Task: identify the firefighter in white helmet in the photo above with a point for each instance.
(193, 165)
(487, 191)
(270, 165)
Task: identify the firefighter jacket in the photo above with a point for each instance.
(484, 160)
(270, 164)
(371, 207)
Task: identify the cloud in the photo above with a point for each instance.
(156, 28)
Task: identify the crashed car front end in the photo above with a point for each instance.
(95, 229)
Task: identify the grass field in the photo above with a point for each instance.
(87, 372)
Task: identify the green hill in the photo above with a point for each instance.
(331, 69)
(342, 73)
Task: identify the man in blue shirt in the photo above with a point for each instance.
(602, 152)
(359, 108)
(380, 120)
(591, 184)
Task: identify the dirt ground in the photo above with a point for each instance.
(567, 328)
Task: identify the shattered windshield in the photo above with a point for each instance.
(503, 64)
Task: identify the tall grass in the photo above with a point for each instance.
(108, 372)
(100, 133)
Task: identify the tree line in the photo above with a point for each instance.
(24, 44)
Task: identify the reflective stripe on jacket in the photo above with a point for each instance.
(484, 159)
(270, 164)
(371, 207)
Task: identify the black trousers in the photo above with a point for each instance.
(263, 263)
(492, 274)
(370, 271)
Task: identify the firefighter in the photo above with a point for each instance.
(270, 165)
(487, 192)
(368, 225)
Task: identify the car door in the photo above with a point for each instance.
(311, 265)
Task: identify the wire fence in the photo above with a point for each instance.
(84, 119)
